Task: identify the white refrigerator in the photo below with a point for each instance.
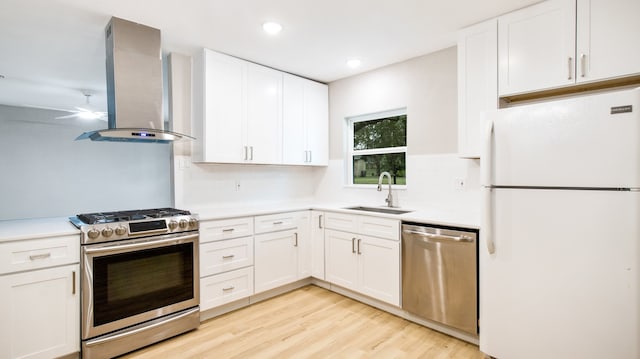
(560, 236)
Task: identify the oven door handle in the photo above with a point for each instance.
(139, 246)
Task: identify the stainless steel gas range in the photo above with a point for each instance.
(139, 278)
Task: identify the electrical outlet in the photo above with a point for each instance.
(459, 183)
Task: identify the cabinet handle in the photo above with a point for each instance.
(320, 221)
(228, 230)
(353, 245)
(251, 151)
(229, 256)
(228, 288)
(40, 256)
(296, 237)
(583, 67)
(570, 67)
(73, 283)
(359, 240)
(245, 153)
(279, 222)
(310, 156)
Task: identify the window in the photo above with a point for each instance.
(378, 143)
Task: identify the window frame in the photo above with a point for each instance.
(351, 152)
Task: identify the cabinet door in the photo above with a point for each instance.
(316, 115)
(276, 260)
(536, 47)
(264, 115)
(379, 268)
(477, 84)
(607, 39)
(40, 313)
(303, 243)
(223, 108)
(294, 150)
(341, 260)
(317, 244)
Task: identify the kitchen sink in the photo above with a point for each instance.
(386, 210)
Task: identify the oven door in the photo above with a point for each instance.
(129, 282)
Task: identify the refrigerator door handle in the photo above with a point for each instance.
(486, 171)
(487, 220)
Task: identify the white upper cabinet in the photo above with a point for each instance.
(264, 115)
(536, 47)
(218, 108)
(477, 84)
(248, 113)
(305, 122)
(608, 40)
(560, 43)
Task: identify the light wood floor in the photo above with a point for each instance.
(310, 322)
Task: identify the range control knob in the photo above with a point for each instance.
(107, 232)
(193, 222)
(93, 233)
(183, 223)
(173, 225)
(121, 230)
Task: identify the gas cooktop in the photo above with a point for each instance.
(113, 226)
(134, 215)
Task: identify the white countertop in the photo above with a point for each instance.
(444, 217)
(15, 230)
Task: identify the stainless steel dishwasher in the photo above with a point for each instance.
(440, 275)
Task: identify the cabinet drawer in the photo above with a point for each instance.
(380, 227)
(341, 222)
(39, 253)
(225, 229)
(223, 256)
(275, 222)
(224, 288)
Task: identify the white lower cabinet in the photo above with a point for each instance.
(40, 313)
(316, 239)
(361, 262)
(276, 259)
(226, 287)
(226, 261)
(282, 257)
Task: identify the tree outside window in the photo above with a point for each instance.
(378, 144)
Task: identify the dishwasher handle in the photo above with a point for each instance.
(440, 237)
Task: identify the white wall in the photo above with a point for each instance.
(44, 172)
(427, 87)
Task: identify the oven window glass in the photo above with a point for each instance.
(127, 284)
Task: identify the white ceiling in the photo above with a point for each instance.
(53, 50)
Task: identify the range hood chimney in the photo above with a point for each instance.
(134, 86)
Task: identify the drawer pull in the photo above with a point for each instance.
(40, 256)
(228, 230)
(229, 256)
(279, 222)
(228, 289)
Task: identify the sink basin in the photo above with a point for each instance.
(386, 210)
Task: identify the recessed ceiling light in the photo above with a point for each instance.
(353, 63)
(271, 28)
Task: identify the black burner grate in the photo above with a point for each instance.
(134, 215)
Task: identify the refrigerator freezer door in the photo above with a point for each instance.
(574, 142)
(563, 281)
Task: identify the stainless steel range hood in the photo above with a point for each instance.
(134, 86)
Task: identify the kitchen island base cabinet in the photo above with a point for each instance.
(40, 313)
(365, 264)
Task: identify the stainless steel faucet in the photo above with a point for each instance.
(389, 198)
